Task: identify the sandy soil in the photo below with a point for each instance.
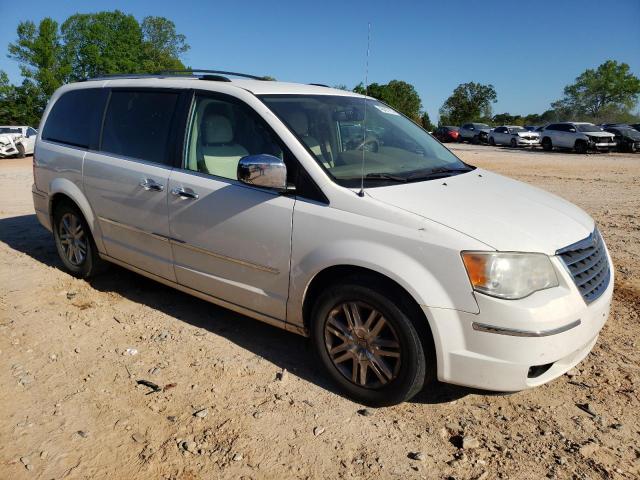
(71, 408)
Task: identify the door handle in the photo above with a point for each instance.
(151, 185)
(185, 193)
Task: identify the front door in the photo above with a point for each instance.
(126, 181)
(229, 240)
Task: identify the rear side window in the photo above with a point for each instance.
(137, 124)
(74, 117)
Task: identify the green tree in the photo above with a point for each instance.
(507, 119)
(425, 122)
(41, 56)
(103, 43)
(162, 45)
(400, 95)
(609, 88)
(86, 45)
(469, 102)
(18, 105)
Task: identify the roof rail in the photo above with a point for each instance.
(320, 85)
(216, 75)
(195, 71)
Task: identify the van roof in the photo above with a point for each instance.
(257, 87)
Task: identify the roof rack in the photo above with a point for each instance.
(195, 71)
(320, 85)
(213, 75)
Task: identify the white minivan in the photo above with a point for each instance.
(328, 214)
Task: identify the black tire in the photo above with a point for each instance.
(87, 263)
(21, 150)
(409, 368)
(492, 142)
(514, 144)
(475, 140)
(580, 146)
(546, 144)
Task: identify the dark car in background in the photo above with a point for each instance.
(447, 134)
(627, 138)
(635, 126)
(474, 133)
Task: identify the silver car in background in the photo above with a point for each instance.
(514, 136)
(474, 132)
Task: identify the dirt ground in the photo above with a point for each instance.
(70, 406)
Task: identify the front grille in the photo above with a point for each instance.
(587, 262)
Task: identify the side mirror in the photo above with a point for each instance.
(264, 171)
(572, 130)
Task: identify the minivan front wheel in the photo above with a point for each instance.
(368, 345)
(74, 242)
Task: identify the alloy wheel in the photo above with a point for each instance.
(362, 344)
(72, 239)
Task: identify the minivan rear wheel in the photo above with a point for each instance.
(368, 345)
(74, 242)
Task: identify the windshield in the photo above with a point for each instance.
(517, 129)
(587, 127)
(333, 129)
(630, 132)
(480, 125)
(9, 130)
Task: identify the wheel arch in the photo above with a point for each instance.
(335, 273)
(62, 189)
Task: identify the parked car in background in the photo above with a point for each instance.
(627, 138)
(447, 134)
(514, 136)
(239, 192)
(579, 136)
(635, 126)
(17, 141)
(474, 133)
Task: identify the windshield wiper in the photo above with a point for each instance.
(385, 176)
(436, 172)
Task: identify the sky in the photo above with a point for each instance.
(527, 50)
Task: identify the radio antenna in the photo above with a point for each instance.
(364, 119)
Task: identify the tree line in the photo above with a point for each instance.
(84, 46)
(607, 94)
(90, 45)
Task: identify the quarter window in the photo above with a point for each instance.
(221, 132)
(73, 118)
(138, 123)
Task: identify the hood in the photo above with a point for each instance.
(599, 134)
(503, 213)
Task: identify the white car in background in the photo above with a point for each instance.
(17, 141)
(578, 136)
(514, 136)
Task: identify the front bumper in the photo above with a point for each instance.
(533, 341)
(8, 151)
(526, 142)
(602, 145)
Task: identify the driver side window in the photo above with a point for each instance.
(221, 132)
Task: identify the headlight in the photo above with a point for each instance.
(509, 275)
